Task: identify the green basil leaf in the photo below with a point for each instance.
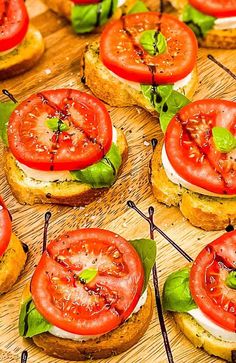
(146, 248)
(31, 322)
(231, 280)
(139, 7)
(54, 123)
(176, 292)
(88, 275)
(200, 23)
(165, 100)
(102, 174)
(85, 18)
(6, 109)
(153, 42)
(223, 139)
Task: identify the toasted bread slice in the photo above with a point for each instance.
(30, 191)
(202, 339)
(24, 56)
(64, 8)
(113, 89)
(224, 39)
(209, 213)
(113, 343)
(11, 263)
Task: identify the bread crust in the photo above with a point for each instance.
(208, 213)
(112, 89)
(223, 39)
(113, 343)
(24, 56)
(202, 339)
(68, 193)
(11, 264)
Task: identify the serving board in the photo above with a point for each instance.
(60, 67)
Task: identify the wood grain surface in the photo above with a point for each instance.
(60, 67)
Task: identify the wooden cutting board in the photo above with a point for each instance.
(60, 67)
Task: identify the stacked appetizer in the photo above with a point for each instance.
(144, 59)
(202, 298)
(89, 15)
(89, 296)
(13, 254)
(195, 167)
(60, 148)
(213, 21)
(21, 44)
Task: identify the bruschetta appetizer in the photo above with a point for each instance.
(146, 59)
(13, 253)
(61, 148)
(194, 168)
(21, 44)
(89, 296)
(213, 21)
(202, 296)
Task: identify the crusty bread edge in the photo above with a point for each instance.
(208, 213)
(67, 193)
(20, 64)
(200, 338)
(113, 343)
(11, 264)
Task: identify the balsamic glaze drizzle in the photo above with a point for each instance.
(63, 114)
(227, 70)
(45, 230)
(229, 228)
(157, 294)
(25, 247)
(132, 205)
(154, 143)
(99, 12)
(155, 96)
(9, 95)
(161, 6)
(24, 356)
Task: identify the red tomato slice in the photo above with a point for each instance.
(14, 23)
(34, 144)
(191, 150)
(90, 308)
(87, 2)
(217, 8)
(207, 281)
(122, 53)
(5, 227)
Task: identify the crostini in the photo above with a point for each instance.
(194, 168)
(201, 297)
(13, 253)
(91, 15)
(61, 148)
(146, 59)
(213, 21)
(89, 295)
(21, 44)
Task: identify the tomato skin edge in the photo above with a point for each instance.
(51, 315)
(5, 227)
(197, 282)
